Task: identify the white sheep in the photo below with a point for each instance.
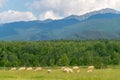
(68, 70)
(13, 69)
(29, 69)
(75, 67)
(38, 69)
(78, 71)
(49, 70)
(90, 67)
(90, 70)
(21, 68)
(63, 68)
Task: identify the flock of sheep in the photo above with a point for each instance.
(64, 69)
(28, 69)
(70, 70)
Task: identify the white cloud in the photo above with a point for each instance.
(62, 8)
(13, 16)
(2, 2)
(49, 14)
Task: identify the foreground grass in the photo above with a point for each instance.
(57, 74)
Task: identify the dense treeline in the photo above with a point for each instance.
(60, 53)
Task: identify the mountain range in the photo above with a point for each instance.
(101, 24)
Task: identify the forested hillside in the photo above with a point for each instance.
(60, 53)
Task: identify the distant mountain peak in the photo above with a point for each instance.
(107, 10)
(47, 20)
(87, 15)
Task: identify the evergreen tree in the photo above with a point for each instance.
(64, 60)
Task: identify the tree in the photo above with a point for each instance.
(115, 58)
(64, 60)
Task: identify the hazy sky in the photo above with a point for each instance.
(25, 10)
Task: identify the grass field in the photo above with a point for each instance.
(57, 74)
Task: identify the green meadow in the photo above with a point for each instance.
(58, 74)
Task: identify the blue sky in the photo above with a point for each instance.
(26, 10)
(15, 5)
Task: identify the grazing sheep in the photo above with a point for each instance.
(75, 67)
(78, 71)
(90, 70)
(90, 67)
(38, 69)
(63, 68)
(13, 69)
(29, 69)
(68, 70)
(49, 70)
(21, 68)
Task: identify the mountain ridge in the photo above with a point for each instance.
(101, 24)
